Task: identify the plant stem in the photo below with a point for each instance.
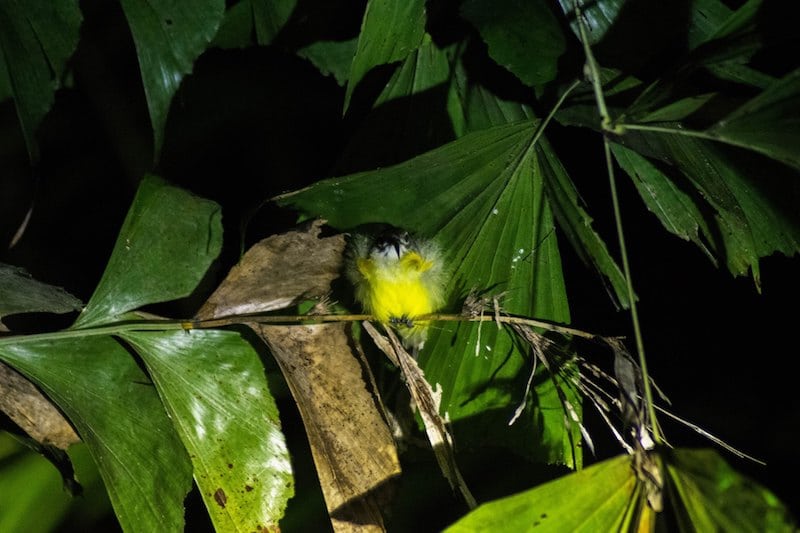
(543, 123)
(664, 129)
(283, 320)
(591, 69)
(109, 329)
(553, 111)
(637, 330)
(607, 125)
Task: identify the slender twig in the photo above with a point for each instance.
(116, 328)
(189, 324)
(590, 389)
(511, 319)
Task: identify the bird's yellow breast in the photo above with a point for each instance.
(398, 290)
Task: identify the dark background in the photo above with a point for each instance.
(722, 352)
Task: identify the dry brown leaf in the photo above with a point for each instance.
(350, 441)
(352, 446)
(31, 411)
(278, 272)
(428, 402)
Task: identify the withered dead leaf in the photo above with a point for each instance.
(428, 402)
(278, 272)
(352, 446)
(31, 411)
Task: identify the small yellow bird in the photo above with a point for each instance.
(398, 278)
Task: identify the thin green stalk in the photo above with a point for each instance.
(620, 127)
(637, 330)
(663, 129)
(170, 325)
(592, 70)
(189, 324)
(552, 113)
(543, 123)
(109, 329)
(607, 125)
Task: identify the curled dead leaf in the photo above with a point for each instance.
(427, 400)
(31, 411)
(278, 272)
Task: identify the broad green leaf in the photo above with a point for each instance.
(19, 293)
(705, 494)
(721, 185)
(657, 104)
(711, 33)
(523, 36)
(719, 43)
(331, 57)
(722, 22)
(575, 222)
(724, 41)
(118, 414)
(169, 36)
(423, 69)
(677, 210)
(482, 197)
(743, 74)
(708, 495)
(505, 242)
(9, 447)
(6, 90)
(166, 244)
(473, 107)
(93, 506)
(598, 16)
(702, 18)
(214, 388)
(426, 190)
(769, 123)
(390, 30)
(594, 499)
(36, 41)
(677, 110)
(250, 22)
(748, 209)
(752, 213)
(707, 20)
(410, 114)
(33, 497)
